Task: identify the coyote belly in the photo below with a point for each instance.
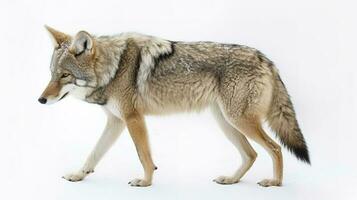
(132, 75)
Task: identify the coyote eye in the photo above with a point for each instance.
(65, 75)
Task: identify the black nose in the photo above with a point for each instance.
(42, 100)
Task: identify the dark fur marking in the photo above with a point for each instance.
(233, 45)
(63, 96)
(97, 97)
(166, 55)
(158, 59)
(136, 70)
(301, 152)
(281, 81)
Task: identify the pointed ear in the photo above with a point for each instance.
(83, 41)
(57, 36)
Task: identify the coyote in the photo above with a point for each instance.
(131, 75)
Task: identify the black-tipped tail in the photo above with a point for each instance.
(282, 121)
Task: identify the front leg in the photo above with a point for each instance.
(137, 129)
(111, 132)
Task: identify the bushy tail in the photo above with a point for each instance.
(282, 121)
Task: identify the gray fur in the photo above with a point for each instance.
(132, 75)
(184, 76)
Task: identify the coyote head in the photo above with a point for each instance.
(72, 65)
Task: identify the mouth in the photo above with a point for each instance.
(63, 96)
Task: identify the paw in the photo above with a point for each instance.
(225, 180)
(74, 177)
(139, 183)
(269, 182)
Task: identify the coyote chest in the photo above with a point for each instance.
(112, 107)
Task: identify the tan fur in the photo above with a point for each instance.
(53, 88)
(133, 75)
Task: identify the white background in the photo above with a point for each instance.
(311, 42)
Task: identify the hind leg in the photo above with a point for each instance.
(251, 127)
(241, 143)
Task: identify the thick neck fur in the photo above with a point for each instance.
(107, 56)
(109, 50)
